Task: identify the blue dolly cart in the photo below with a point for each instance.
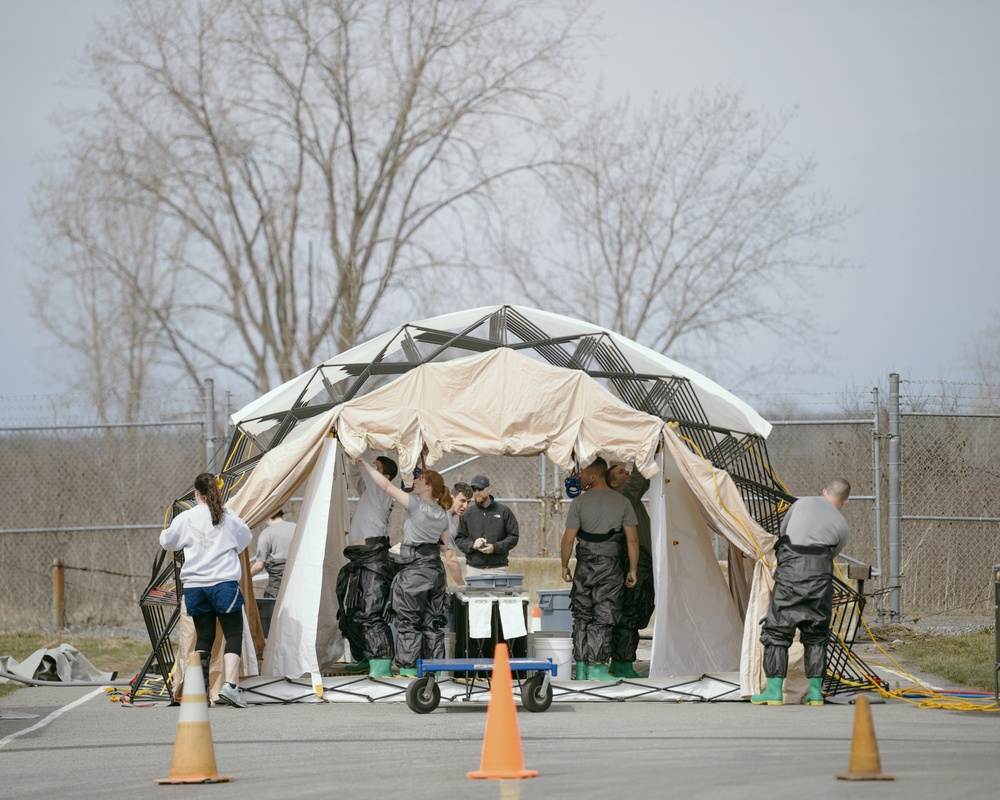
(423, 694)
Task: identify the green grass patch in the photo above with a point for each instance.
(966, 660)
(122, 654)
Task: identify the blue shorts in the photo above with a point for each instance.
(223, 598)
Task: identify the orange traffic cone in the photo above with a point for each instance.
(194, 755)
(865, 764)
(502, 756)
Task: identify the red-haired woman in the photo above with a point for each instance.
(212, 538)
(419, 590)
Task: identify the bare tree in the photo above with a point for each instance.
(981, 357)
(302, 156)
(101, 287)
(678, 225)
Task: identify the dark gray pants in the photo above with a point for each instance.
(363, 588)
(803, 599)
(596, 598)
(637, 608)
(419, 597)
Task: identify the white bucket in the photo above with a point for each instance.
(560, 651)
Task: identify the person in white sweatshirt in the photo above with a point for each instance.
(212, 538)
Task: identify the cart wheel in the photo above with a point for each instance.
(423, 695)
(533, 696)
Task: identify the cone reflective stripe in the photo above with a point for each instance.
(865, 764)
(194, 754)
(502, 756)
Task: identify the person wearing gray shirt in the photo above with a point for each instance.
(419, 590)
(364, 582)
(272, 551)
(600, 521)
(813, 531)
(639, 601)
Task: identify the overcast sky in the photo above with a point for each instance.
(897, 101)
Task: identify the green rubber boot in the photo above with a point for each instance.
(772, 695)
(581, 671)
(814, 697)
(407, 672)
(358, 666)
(380, 668)
(598, 672)
(624, 669)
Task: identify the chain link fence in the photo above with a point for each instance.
(805, 455)
(94, 497)
(950, 489)
(91, 497)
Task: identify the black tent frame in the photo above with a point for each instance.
(671, 398)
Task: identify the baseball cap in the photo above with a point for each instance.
(479, 482)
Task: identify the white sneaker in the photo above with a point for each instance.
(232, 696)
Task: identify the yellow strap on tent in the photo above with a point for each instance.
(932, 698)
(718, 492)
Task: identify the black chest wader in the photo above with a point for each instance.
(363, 586)
(803, 599)
(596, 596)
(275, 572)
(637, 607)
(419, 603)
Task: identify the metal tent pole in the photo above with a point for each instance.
(895, 543)
(877, 488)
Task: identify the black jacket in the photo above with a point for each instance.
(496, 524)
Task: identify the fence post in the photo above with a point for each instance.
(877, 487)
(209, 425)
(895, 544)
(58, 583)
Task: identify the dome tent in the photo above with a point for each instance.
(541, 379)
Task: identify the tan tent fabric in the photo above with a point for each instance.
(498, 403)
(282, 471)
(727, 515)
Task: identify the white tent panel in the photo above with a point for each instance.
(305, 635)
(697, 626)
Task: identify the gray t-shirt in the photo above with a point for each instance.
(815, 521)
(371, 515)
(600, 511)
(424, 523)
(274, 541)
(452, 530)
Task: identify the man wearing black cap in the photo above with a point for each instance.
(487, 531)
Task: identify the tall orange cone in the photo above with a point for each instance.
(502, 756)
(865, 764)
(194, 754)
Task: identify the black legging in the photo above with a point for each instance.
(232, 630)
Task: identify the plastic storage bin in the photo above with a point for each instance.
(502, 581)
(554, 605)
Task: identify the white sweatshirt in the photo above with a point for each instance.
(211, 553)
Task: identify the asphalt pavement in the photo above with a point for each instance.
(80, 744)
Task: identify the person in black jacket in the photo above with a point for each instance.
(487, 532)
